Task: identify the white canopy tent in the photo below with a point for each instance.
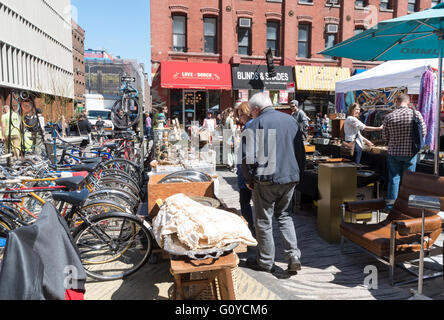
(395, 73)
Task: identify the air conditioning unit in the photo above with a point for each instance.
(332, 28)
(244, 23)
(333, 2)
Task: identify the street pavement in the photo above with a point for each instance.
(327, 273)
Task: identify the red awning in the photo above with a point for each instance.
(189, 75)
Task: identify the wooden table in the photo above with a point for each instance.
(220, 269)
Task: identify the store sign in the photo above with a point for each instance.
(187, 75)
(257, 77)
(283, 97)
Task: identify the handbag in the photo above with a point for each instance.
(417, 138)
(347, 148)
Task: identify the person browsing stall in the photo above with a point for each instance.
(272, 179)
(243, 113)
(398, 133)
(352, 131)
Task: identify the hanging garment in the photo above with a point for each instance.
(427, 105)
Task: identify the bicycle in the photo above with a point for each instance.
(111, 246)
(129, 104)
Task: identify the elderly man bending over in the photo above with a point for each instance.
(273, 157)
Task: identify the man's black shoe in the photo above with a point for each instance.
(252, 264)
(294, 265)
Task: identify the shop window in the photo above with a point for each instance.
(210, 35)
(180, 33)
(244, 36)
(385, 4)
(304, 40)
(176, 104)
(412, 6)
(273, 37)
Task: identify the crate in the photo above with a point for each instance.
(163, 191)
(209, 293)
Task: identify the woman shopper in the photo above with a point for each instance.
(63, 127)
(229, 133)
(352, 130)
(243, 114)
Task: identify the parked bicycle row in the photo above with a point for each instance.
(97, 190)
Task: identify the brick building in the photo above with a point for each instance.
(78, 53)
(237, 33)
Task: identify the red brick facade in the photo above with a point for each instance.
(289, 13)
(78, 52)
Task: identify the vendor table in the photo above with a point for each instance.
(309, 183)
(375, 161)
(220, 269)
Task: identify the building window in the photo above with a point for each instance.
(385, 4)
(330, 41)
(210, 35)
(360, 4)
(358, 30)
(435, 2)
(273, 37)
(244, 36)
(305, 1)
(180, 33)
(304, 41)
(412, 7)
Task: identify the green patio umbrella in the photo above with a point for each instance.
(418, 35)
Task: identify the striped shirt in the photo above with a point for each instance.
(398, 131)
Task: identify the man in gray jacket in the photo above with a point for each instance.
(273, 157)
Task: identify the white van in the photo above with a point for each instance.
(105, 114)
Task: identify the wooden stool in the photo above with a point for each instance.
(219, 269)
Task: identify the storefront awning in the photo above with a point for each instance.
(189, 75)
(313, 78)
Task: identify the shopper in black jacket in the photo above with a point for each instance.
(84, 126)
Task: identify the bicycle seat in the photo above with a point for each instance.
(91, 160)
(75, 198)
(90, 167)
(72, 183)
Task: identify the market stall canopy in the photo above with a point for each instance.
(314, 78)
(189, 75)
(395, 73)
(419, 35)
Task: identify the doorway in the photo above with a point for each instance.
(194, 106)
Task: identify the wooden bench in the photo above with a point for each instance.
(220, 269)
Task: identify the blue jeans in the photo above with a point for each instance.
(245, 196)
(397, 165)
(358, 154)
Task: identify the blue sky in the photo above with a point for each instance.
(122, 28)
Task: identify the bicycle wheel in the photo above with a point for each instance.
(130, 107)
(97, 207)
(113, 245)
(118, 174)
(121, 197)
(120, 185)
(125, 165)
